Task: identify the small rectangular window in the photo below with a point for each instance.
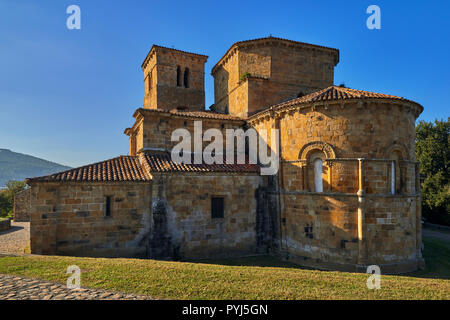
(217, 207)
(108, 206)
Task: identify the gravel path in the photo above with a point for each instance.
(16, 239)
(20, 288)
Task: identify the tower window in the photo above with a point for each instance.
(149, 81)
(178, 76)
(217, 207)
(186, 77)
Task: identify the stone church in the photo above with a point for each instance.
(346, 194)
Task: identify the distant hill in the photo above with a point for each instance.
(18, 166)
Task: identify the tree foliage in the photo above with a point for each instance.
(7, 197)
(433, 153)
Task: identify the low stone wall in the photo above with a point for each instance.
(22, 206)
(5, 224)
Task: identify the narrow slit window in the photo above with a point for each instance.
(108, 206)
(217, 207)
(186, 78)
(393, 177)
(178, 76)
(149, 81)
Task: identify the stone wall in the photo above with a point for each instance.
(185, 200)
(70, 219)
(318, 229)
(369, 180)
(276, 72)
(391, 229)
(5, 224)
(22, 206)
(169, 218)
(154, 132)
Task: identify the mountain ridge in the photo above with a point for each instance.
(19, 166)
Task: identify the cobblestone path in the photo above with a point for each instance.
(16, 239)
(20, 288)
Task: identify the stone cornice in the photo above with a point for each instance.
(155, 47)
(290, 108)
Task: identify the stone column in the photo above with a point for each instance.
(362, 246)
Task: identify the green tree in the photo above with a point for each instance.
(433, 154)
(7, 197)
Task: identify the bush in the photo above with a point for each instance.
(7, 197)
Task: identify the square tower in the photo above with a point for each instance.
(174, 79)
(255, 74)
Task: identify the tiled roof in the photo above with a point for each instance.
(123, 168)
(138, 168)
(191, 114)
(336, 93)
(162, 162)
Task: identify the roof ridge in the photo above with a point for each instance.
(333, 93)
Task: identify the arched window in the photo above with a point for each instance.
(396, 181)
(178, 76)
(186, 77)
(318, 170)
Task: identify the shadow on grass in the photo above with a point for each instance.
(436, 254)
(252, 261)
(437, 259)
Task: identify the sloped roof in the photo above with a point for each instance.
(138, 169)
(334, 93)
(162, 162)
(122, 168)
(189, 114)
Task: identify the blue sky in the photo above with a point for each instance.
(67, 95)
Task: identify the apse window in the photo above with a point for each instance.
(318, 169)
(217, 207)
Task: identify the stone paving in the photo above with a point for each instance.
(16, 239)
(20, 288)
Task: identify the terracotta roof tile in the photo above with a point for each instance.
(191, 114)
(137, 169)
(335, 93)
(123, 168)
(162, 162)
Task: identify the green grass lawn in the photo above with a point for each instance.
(261, 277)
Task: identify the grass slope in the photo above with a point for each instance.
(247, 278)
